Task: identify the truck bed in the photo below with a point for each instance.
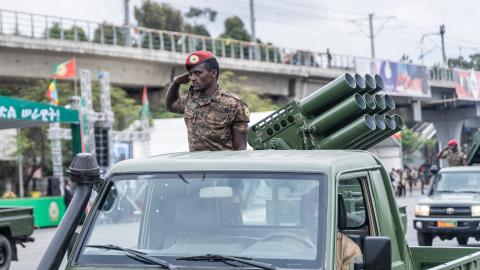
(18, 219)
(445, 258)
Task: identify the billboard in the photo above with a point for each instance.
(400, 78)
(467, 84)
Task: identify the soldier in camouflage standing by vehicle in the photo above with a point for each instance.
(215, 119)
(454, 156)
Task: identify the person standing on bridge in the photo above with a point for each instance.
(454, 156)
(215, 119)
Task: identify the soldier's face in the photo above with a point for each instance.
(202, 78)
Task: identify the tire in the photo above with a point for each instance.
(462, 241)
(5, 253)
(424, 239)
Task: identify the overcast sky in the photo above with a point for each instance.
(340, 25)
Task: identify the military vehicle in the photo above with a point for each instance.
(16, 226)
(451, 208)
(257, 209)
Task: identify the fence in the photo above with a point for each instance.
(51, 27)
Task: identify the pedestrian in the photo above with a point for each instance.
(454, 156)
(401, 183)
(424, 176)
(215, 118)
(410, 177)
(329, 58)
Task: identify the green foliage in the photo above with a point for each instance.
(197, 29)
(472, 63)
(411, 143)
(195, 12)
(69, 34)
(108, 34)
(255, 101)
(159, 16)
(235, 29)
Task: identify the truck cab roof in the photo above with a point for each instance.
(251, 160)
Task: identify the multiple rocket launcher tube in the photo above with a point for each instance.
(347, 113)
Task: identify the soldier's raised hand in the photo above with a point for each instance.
(182, 79)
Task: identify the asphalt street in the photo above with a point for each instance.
(31, 255)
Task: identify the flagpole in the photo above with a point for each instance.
(75, 78)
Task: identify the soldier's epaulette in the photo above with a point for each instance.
(232, 95)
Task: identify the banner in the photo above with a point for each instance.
(86, 112)
(400, 78)
(467, 84)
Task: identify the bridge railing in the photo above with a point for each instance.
(51, 27)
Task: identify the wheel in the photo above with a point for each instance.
(5, 253)
(462, 241)
(424, 239)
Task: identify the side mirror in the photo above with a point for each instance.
(376, 253)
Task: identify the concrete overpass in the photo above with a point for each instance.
(136, 57)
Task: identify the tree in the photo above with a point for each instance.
(460, 62)
(33, 144)
(255, 101)
(411, 143)
(235, 29)
(107, 30)
(196, 14)
(69, 34)
(159, 16)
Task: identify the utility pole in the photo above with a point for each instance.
(372, 36)
(252, 25)
(126, 21)
(442, 34)
(126, 9)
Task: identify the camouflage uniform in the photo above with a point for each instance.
(211, 121)
(455, 158)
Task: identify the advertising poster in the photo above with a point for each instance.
(400, 78)
(467, 84)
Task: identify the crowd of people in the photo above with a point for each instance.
(405, 180)
(409, 177)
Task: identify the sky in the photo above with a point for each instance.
(340, 25)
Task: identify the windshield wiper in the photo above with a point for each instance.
(223, 258)
(446, 191)
(136, 254)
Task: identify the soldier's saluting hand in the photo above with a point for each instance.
(215, 119)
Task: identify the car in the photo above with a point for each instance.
(451, 208)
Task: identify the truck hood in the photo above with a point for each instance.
(451, 199)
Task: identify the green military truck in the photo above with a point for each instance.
(451, 208)
(16, 226)
(276, 207)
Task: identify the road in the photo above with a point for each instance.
(31, 255)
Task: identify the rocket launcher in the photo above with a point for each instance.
(347, 113)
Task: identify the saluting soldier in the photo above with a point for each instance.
(454, 156)
(215, 118)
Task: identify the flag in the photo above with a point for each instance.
(52, 92)
(65, 70)
(145, 110)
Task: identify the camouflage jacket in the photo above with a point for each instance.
(211, 121)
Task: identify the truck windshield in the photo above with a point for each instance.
(273, 218)
(457, 182)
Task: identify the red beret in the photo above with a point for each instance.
(452, 142)
(196, 58)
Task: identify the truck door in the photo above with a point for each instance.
(356, 190)
(381, 197)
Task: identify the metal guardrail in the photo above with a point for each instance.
(51, 27)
